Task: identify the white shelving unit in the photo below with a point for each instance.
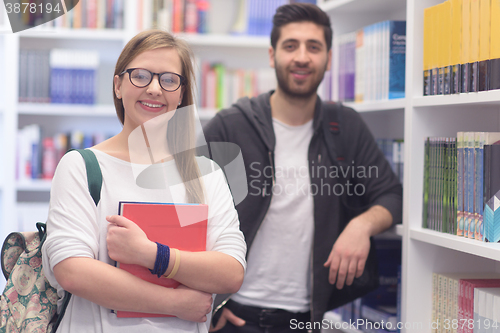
(413, 118)
(235, 51)
(424, 251)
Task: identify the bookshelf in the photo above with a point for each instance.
(414, 118)
(424, 251)
(235, 51)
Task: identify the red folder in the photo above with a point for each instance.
(180, 226)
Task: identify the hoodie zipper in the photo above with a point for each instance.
(270, 155)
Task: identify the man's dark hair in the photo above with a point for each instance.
(300, 12)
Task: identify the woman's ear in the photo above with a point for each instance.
(181, 96)
(118, 83)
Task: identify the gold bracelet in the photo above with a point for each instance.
(176, 265)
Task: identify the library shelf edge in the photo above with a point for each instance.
(246, 41)
(453, 242)
(50, 109)
(385, 105)
(64, 33)
(353, 6)
(34, 185)
(491, 97)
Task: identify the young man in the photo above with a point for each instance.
(305, 244)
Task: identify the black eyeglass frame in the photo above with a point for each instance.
(130, 70)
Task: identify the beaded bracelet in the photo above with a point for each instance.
(162, 260)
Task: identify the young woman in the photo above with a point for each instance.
(152, 93)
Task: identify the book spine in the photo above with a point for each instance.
(474, 46)
(397, 59)
(460, 184)
(466, 44)
(479, 143)
(494, 64)
(484, 44)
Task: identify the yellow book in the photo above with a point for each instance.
(427, 51)
(456, 44)
(474, 45)
(445, 45)
(484, 44)
(494, 82)
(465, 44)
(434, 59)
(440, 46)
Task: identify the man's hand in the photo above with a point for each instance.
(348, 257)
(350, 251)
(226, 316)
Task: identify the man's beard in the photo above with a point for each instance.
(285, 86)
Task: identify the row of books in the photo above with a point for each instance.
(371, 63)
(461, 50)
(393, 150)
(378, 311)
(461, 182)
(58, 76)
(221, 86)
(440, 179)
(37, 156)
(478, 182)
(252, 17)
(92, 14)
(465, 303)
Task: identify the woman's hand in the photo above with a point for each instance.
(128, 244)
(193, 305)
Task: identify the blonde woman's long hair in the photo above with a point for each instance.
(180, 133)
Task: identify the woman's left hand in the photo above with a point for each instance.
(128, 244)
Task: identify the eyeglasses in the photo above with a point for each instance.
(141, 78)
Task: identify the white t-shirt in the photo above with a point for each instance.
(77, 228)
(279, 274)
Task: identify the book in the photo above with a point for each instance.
(494, 70)
(466, 44)
(474, 46)
(491, 176)
(484, 44)
(456, 42)
(427, 50)
(180, 226)
(445, 47)
(492, 219)
(470, 287)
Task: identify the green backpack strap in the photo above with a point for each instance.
(94, 180)
(94, 175)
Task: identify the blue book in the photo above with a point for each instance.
(397, 60)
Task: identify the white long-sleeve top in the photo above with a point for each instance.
(77, 228)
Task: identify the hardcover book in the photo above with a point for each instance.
(180, 226)
(484, 44)
(494, 70)
(466, 44)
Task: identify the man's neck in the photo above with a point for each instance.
(292, 111)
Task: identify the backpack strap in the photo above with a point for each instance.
(94, 175)
(332, 120)
(94, 180)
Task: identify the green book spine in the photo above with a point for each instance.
(425, 208)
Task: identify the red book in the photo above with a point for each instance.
(470, 285)
(180, 226)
